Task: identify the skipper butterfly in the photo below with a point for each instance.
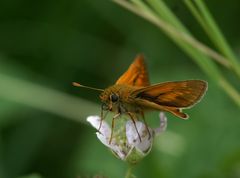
(133, 95)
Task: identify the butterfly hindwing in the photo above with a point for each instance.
(181, 94)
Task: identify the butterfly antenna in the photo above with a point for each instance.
(83, 86)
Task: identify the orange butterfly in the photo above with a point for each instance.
(132, 94)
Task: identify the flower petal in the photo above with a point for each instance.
(104, 135)
(133, 138)
(163, 124)
(95, 121)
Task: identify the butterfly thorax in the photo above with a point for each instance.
(118, 98)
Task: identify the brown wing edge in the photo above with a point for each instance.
(205, 88)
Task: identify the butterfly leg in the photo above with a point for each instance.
(100, 125)
(145, 123)
(102, 116)
(114, 117)
(132, 118)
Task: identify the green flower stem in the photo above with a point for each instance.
(129, 172)
(45, 99)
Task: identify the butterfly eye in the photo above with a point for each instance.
(114, 97)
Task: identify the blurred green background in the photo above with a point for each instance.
(45, 45)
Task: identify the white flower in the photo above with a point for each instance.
(126, 143)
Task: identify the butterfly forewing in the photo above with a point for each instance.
(136, 75)
(179, 94)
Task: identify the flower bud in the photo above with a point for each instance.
(126, 144)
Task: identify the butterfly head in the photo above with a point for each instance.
(110, 98)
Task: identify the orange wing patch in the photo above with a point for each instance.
(136, 75)
(180, 94)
